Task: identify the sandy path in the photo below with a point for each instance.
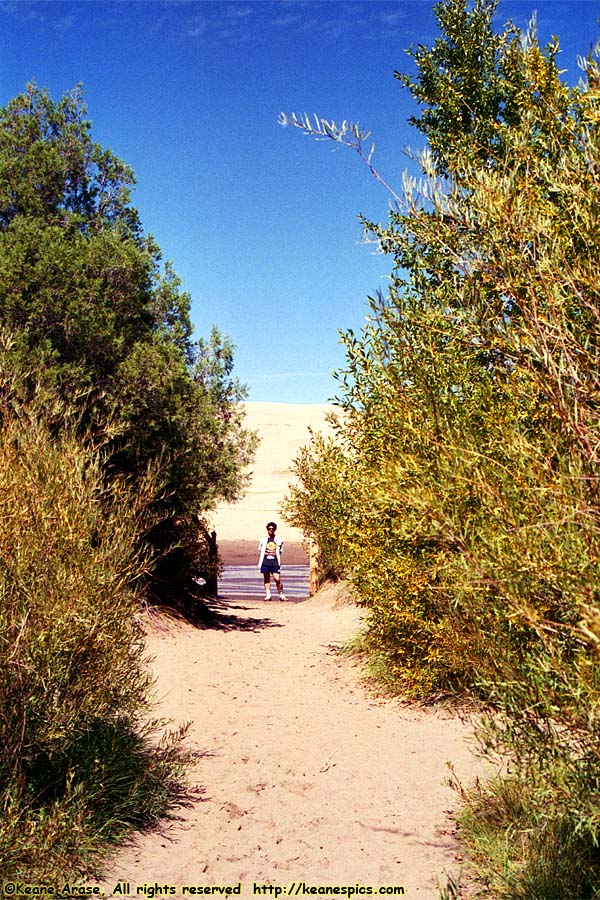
(304, 776)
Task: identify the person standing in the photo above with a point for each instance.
(269, 560)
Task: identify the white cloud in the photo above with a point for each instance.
(196, 26)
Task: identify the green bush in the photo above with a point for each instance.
(321, 502)
(471, 405)
(76, 765)
(96, 315)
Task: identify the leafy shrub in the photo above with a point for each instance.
(471, 409)
(97, 316)
(75, 764)
(322, 501)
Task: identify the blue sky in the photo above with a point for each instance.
(260, 222)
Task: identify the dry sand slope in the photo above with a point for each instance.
(303, 778)
(282, 429)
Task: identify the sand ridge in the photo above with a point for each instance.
(283, 428)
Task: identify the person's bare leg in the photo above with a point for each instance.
(267, 581)
(279, 583)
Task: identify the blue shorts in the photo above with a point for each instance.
(270, 566)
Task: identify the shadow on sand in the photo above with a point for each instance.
(216, 613)
(222, 616)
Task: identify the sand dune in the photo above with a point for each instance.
(282, 428)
